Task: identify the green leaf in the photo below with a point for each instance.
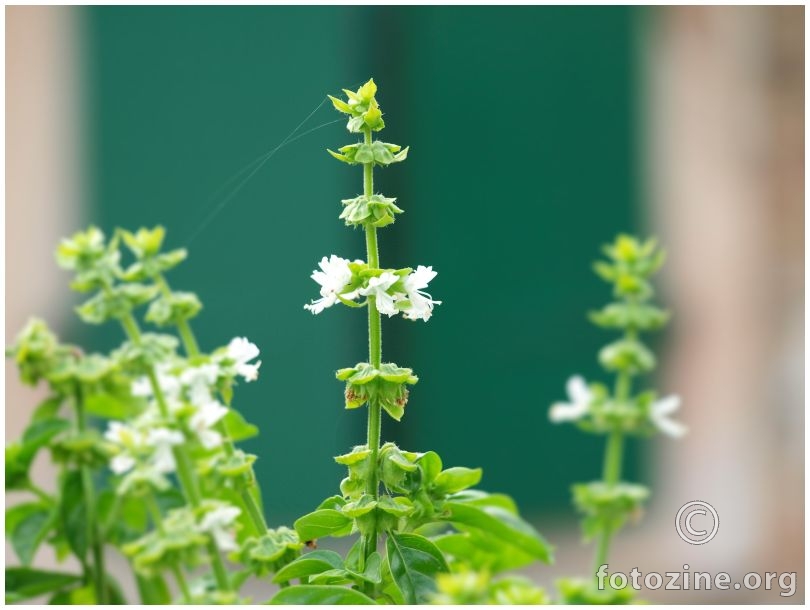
(414, 562)
(321, 595)
(477, 497)
(456, 479)
(309, 564)
(431, 465)
(502, 524)
(28, 524)
(238, 428)
(25, 583)
(482, 552)
(47, 409)
(324, 522)
(110, 406)
(20, 456)
(78, 596)
(73, 512)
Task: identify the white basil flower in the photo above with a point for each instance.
(204, 419)
(580, 397)
(161, 441)
(333, 278)
(218, 523)
(421, 303)
(198, 380)
(659, 414)
(128, 440)
(240, 352)
(378, 288)
(169, 385)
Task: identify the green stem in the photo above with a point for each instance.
(98, 571)
(191, 346)
(613, 458)
(185, 472)
(612, 467)
(157, 521)
(374, 353)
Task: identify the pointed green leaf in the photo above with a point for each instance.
(415, 561)
(324, 522)
(320, 595)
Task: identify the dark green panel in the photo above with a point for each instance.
(184, 98)
(521, 123)
(521, 127)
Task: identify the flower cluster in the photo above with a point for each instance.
(394, 291)
(592, 405)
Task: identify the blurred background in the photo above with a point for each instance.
(536, 134)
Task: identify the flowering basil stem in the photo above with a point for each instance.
(144, 439)
(434, 526)
(607, 504)
(143, 417)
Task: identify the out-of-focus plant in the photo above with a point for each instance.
(144, 441)
(618, 412)
(415, 520)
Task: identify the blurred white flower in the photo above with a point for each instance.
(421, 303)
(169, 386)
(219, 524)
(161, 441)
(202, 421)
(128, 440)
(198, 381)
(580, 397)
(241, 351)
(378, 288)
(659, 414)
(333, 278)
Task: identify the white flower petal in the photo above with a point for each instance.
(578, 391)
(667, 405)
(141, 387)
(242, 350)
(670, 427)
(122, 463)
(563, 411)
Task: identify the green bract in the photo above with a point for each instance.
(378, 211)
(362, 108)
(376, 153)
(95, 262)
(385, 385)
(173, 309)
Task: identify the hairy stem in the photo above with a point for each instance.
(98, 571)
(374, 353)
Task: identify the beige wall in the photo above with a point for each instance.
(43, 184)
